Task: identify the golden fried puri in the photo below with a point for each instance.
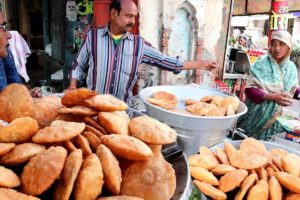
(127, 147)
(90, 121)
(15, 102)
(6, 147)
(123, 197)
(111, 169)
(58, 131)
(70, 171)
(259, 191)
(106, 102)
(232, 180)
(94, 141)
(152, 131)
(247, 160)
(202, 160)
(291, 164)
(8, 178)
(221, 155)
(230, 100)
(115, 122)
(292, 196)
(275, 189)
(289, 181)
(21, 153)
(42, 170)
(152, 179)
(79, 110)
(98, 133)
(83, 144)
(252, 145)
(46, 110)
(210, 190)
(90, 179)
(222, 169)
(204, 175)
(76, 97)
(19, 130)
(246, 185)
(10, 194)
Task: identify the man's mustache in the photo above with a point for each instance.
(130, 25)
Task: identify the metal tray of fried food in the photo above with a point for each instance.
(236, 144)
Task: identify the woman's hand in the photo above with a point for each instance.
(279, 98)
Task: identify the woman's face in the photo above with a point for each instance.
(279, 50)
(242, 41)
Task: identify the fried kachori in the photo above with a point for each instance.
(115, 122)
(106, 103)
(76, 97)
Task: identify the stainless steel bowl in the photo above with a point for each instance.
(193, 131)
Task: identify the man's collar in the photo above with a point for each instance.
(127, 35)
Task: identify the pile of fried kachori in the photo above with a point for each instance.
(82, 147)
(252, 172)
(213, 106)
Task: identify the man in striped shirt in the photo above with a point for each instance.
(113, 55)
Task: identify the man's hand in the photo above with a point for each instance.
(210, 65)
(279, 98)
(35, 92)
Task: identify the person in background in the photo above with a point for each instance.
(114, 54)
(8, 70)
(273, 82)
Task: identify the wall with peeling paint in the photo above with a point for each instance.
(208, 37)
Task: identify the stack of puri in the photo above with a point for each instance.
(82, 147)
(213, 106)
(252, 172)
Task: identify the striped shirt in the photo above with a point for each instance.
(112, 69)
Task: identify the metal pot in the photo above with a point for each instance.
(193, 131)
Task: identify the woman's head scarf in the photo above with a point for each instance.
(283, 36)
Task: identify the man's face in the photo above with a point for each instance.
(242, 41)
(279, 50)
(124, 20)
(4, 36)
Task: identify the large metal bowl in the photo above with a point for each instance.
(192, 130)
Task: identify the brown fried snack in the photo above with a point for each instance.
(21, 153)
(10, 194)
(217, 100)
(289, 181)
(252, 145)
(230, 100)
(76, 97)
(111, 169)
(207, 99)
(167, 96)
(221, 155)
(115, 122)
(58, 131)
(275, 189)
(69, 118)
(6, 147)
(189, 102)
(17, 101)
(79, 110)
(210, 190)
(247, 160)
(202, 160)
(152, 179)
(71, 169)
(291, 164)
(106, 102)
(222, 169)
(94, 130)
(270, 172)
(204, 175)
(127, 147)
(232, 180)
(229, 110)
(90, 121)
(19, 130)
(279, 152)
(42, 170)
(292, 196)
(46, 110)
(69, 146)
(163, 99)
(152, 131)
(246, 185)
(230, 150)
(83, 144)
(94, 141)
(90, 179)
(8, 178)
(259, 191)
(262, 173)
(123, 197)
(218, 112)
